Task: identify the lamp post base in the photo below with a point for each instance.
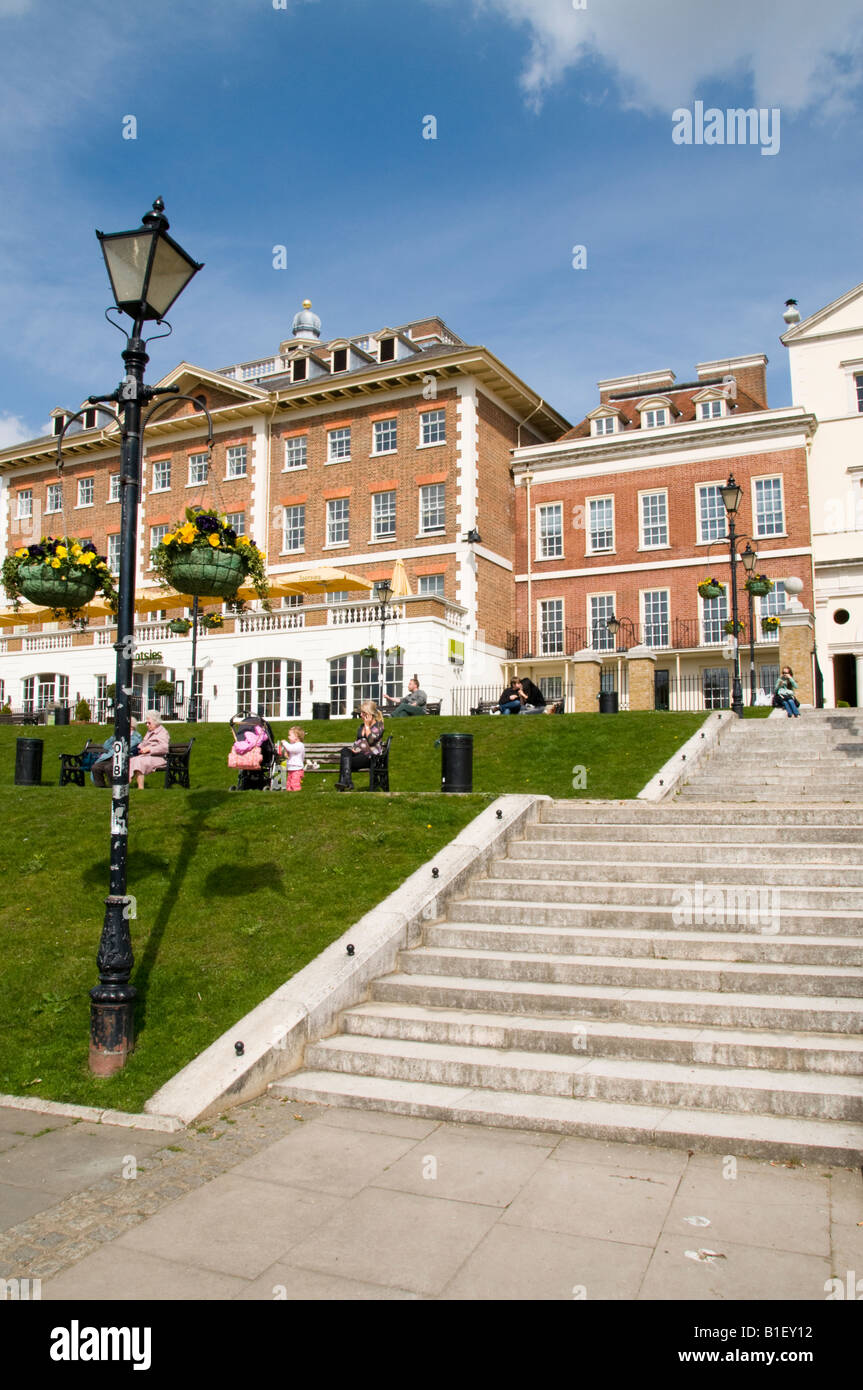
(112, 1036)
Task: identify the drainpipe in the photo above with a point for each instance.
(528, 479)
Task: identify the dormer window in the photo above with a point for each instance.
(340, 360)
(89, 419)
(59, 422)
(298, 371)
(387, 350)
(711, 410)
(652, 419)
(605, 424)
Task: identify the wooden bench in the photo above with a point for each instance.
(178, 764)
(326, 757)
(74, 768)
(433, 706)
(22, 717)
(486, 707)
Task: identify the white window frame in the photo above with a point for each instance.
(432, 590)
(642, 601)
(643, 543)
(391, 420)
(768, 478)
(113, 544)
(588, 535)
(81, 484)
(157, 533)
(22, 513)
(701, 539)
(608, 643)
(342, 503)
(707, 409)
(239, 529)
(54, 494)
(599, 426)
(288, 549)
(378, 535)
(440, 423)
(424, 511)
(542, 539)
(291, 443)
(232, 459)
(541, 627)
(115, 487)
(157, 465)
(195, 460)
(337, 436)
(647, 424)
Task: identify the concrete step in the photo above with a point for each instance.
(758, 1136)
(588, 868)
(738, 897)
(726, 977)
(787, 1052)
(728, 832)
(710, 1008)
(641, 917)
(571, 853)
(768, 797)
(609, 813)
(601, 1078)
(735, 944)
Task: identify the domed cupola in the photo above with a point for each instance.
(306, 324)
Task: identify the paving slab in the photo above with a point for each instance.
(326, 1159)
(18, 1204)
(776, 1187)
(285, 1282)
(743, 1271)
(67, 1159)
(118, 1274)
(375, 1122)
(632, 1157)
(792, 1226)
(397, 1239)
(15, 1121)
(473, 1167)
(608, 1204)
(234, 1225)
(512, 1263)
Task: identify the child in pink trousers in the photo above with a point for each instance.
(296, 751)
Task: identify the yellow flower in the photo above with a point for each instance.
(61, 551)
(22, 552)
(171, 536)
(214, 541)
(55, 564)
(87, 558)
(241, 540)
(76, 549)
(187, 533)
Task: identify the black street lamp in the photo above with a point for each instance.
(383, 594)
(613, 625)
(750, 560)
(148, 271)
(731, 496)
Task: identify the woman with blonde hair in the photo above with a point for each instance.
(152, 751)
(369, 743)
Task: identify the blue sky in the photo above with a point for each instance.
(303, 127)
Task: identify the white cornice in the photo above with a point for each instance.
(650, 566)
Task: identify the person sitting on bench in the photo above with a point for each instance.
(100, 772)
(369, 744)
(414, 702)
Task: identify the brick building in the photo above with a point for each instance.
(622, 516)
(352, 452)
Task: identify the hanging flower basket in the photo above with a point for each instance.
(770, 624)
(204, 556)
(212, 621)
(711, 588)
(179, 625)
(63, 575)
(728, 626)
(370, 652)
(759, 585)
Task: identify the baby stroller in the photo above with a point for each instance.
(255, 754)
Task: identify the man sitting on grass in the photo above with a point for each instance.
(414, 702)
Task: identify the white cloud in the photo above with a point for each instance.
(796, 54)
(13, 430)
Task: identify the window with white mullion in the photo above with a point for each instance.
(601, 609)
(655, 609)
(383, 515)
(198, 469)
(549, 530)
(386, 436)
(769, 517)
(601, 532)
(714, 614)
(433, 507)
(654, 519)
(712, 517)
(551, 627)
(294, 527)
(338, 520)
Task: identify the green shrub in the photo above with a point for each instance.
(82, 712)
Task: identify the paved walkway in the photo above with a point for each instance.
(286, 1200)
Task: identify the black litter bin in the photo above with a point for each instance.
(608, 702)
(456, 762)
(28, 762)
(320, 711)
(61, 714)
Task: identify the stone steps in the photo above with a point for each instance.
(670, 852)
(582, 868)
(641, 917)
(605, 888)
(733, 832)
(812, 1052)
(594, 1078)
(760, 1136)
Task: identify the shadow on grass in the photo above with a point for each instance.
(240, 879)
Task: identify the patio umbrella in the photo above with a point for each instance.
(151, 601)
(28, 614)
(324, 580)
(400, 583)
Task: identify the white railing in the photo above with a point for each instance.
(271, 622)
(105, 636)
(353, 614)
(51, 642)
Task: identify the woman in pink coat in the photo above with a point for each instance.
(152, 751)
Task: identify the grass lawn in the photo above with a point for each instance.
(236, 892)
